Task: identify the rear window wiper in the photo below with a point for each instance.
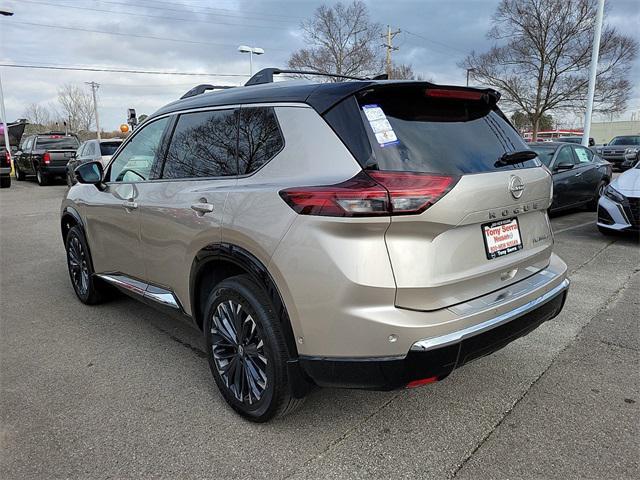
(516, 157)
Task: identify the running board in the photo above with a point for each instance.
(156, 294)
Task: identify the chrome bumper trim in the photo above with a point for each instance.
(455, 337)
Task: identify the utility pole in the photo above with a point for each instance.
(5, 127)
(94, 86)
(389, 46)
(592, 73)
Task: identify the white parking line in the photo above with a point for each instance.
(574, 227)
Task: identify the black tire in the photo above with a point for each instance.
(42, 179)
(5, 182)
(20, 175)
(592, 206)
(240, 366)
(88, 288)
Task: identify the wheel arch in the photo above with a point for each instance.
(69, 219)
(218, 261)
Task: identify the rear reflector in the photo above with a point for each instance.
(372, 193)
(453, 94)
(421, 382)
(46, 158)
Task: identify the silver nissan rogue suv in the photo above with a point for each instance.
(363, 234)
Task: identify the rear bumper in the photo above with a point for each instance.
(54, 169)
(4, 171)
(438, 356)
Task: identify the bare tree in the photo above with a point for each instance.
(543, 60)
(404, 71)
(342, 41)
(37, 114)
(77, 107)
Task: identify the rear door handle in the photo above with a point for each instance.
(130, 205)
(202, 207)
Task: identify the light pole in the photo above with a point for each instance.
(251, 51)
(469, 70)
(592, 74)
(5, 126)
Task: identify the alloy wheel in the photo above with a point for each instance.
(78, 266)
(238, 352)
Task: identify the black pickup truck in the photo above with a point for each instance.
(44, 155)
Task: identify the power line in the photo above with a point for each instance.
(134, 35)
(190, 6)
(190, 10)
(436, 42)
(115, 70)
(74, 7)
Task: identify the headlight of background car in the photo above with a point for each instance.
(599, 150)
(613, 194)
(632, 150)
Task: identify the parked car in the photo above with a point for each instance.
(14, 132)
(92, 150)
(45, 155)
(619, 206)
(631, 157)
(577, 140)
(615, 150)
(360, 234)
(579, 175)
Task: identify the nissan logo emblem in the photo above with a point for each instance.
(516, 186)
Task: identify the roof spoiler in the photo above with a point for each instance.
(266, 75)
(199, 89)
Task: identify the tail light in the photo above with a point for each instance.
(453, 94)
(46, 158)
(7, 157)
(374, 193)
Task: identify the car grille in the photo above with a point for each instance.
(633, 211)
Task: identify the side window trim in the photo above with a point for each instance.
(282, 138)
(122, 147)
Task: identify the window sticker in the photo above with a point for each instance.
(582, 155)
(380, 125)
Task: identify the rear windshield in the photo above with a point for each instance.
(109, 148)
(630, 140)
(405, 130)
(56, 143)
(545, 154)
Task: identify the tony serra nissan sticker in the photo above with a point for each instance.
(380, 125)
(501, 238)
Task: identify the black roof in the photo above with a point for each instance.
(320, 96)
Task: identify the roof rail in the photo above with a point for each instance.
(199, 89)
(266, 75)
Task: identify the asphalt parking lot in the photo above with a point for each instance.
(122, 391)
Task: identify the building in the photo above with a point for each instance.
(603, 132)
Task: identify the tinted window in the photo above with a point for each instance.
(628, 140)
(134, 162)
(90, 149)
(56, 142)
(584, 154)
(260, 139)
(203, 145)
(410, 131)
(565, 156)
(109, 148)
(545, 154)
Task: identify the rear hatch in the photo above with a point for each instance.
(60, 149)
(485, 226)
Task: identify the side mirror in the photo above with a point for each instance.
(90, 173)
(563, 166)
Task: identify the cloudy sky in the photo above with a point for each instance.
(202, 36)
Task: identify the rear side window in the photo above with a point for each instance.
(406, 130)
(203, 145)
(259, 140)
(565, 155)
